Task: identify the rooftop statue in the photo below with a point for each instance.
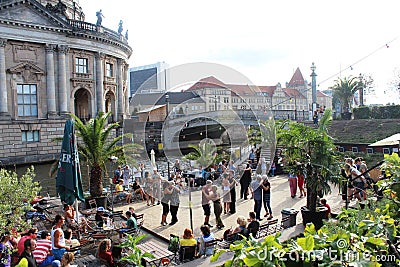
(100, 17)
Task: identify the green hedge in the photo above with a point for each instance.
(381, 112)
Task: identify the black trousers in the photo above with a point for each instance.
(232, 205)
(174, 212)
(244, 189)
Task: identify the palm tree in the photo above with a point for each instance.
(344, 90)
(204, 154)
(96, 146)
(312, 151)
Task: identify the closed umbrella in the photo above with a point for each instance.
(153, 159)
(69, 183)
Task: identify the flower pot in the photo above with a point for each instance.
(314, 217)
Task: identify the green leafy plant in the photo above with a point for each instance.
(204, 154)
(96, 146)
(135, 255)
(313, 152)
(15, 195)
(343, 91)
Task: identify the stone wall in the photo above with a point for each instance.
(14, 151)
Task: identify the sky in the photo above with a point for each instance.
(266, 40)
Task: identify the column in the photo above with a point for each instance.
(127, 91)
(3, 82)
(120, 90)
(62, 81)
(99, 83)
(50, 81)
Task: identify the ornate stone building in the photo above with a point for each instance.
(53, 63)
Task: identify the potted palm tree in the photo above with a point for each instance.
(343, 91)
(96, 146)
(313, 152)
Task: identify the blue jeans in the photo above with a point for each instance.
(58, 253)
(257, 208)
(47, 261)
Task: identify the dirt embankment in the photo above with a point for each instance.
(363, 131)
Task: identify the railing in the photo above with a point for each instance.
(86, 26)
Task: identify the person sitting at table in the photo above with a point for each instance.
(72, 221)
(129, 224)
(119, 190)
(206, 236)
(67, 258)
(99, 217)
(137, 189)
(71, 242)
(104, 252)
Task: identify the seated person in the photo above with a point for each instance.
(69, 241)
(187, 239)
(240, 229)
(70, 216)
(99, 217)
(67, 258)
(119, 190)
(104, 252)
(129, 224)
(253, 225)
(137, 189)
(206, 236)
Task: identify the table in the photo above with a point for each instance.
(160, 253)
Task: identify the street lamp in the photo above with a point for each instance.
(361, 89)
(313, 88)
(167, 109)
(113, 160)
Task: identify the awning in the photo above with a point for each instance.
(389, 141)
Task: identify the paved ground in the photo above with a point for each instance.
(280, 199)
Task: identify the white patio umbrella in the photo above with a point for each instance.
(153, 159)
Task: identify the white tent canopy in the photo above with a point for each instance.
(389, 141)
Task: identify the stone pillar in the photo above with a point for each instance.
(62, 81)
(50, 82)
(99, 83)
(3, 81)
(127, 90)
(120, 91)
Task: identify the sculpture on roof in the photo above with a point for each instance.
(100, 17)
(126, 35)
(120, 28)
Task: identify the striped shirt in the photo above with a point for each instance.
(43, 246)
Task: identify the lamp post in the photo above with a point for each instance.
(313, 88)
(215, 102)
(167, 111)
(113, 160)
(361, 89)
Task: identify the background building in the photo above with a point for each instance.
(53, 63)
(151, 78)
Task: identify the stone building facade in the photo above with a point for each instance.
(53, 63)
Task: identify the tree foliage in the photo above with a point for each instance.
(96, 146)
(15, 195)
(313, 152)
(343, 91)
(205, 154)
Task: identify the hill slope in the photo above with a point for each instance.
(363, 131)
